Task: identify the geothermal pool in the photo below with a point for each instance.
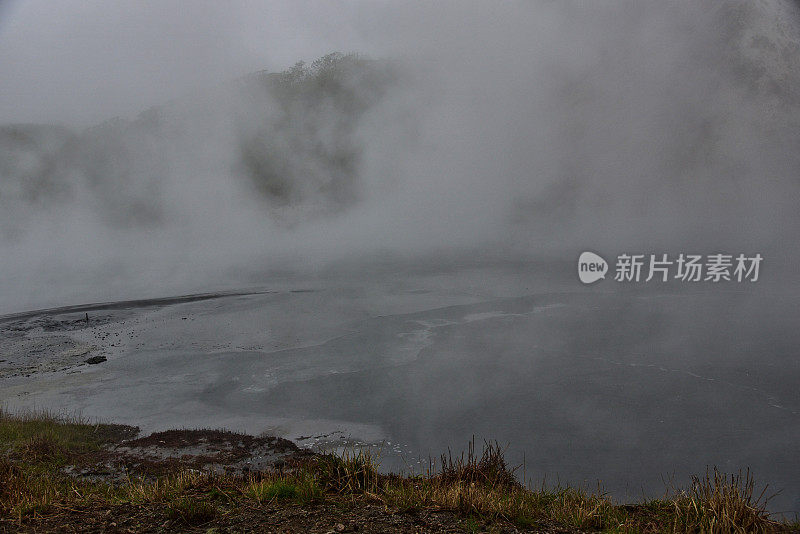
(630, 388)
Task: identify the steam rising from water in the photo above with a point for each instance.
(524, 130)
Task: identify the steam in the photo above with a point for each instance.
(524, 130)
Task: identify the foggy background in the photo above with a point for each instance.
(412, 199)
(522, 131)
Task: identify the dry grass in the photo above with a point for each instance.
(724, 503)
(45, 435)
(191, 511)
(488, 470)
(484, 486)
(355, 471)
(477, 486)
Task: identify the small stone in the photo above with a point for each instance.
(96, 359)
(339, 527)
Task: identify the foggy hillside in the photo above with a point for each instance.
(291, 135)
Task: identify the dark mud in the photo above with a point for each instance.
(82, 309)
(163, 453)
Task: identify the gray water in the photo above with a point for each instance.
(627, 386)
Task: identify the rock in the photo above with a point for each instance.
(96, 359)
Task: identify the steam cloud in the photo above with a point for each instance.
(521, 129)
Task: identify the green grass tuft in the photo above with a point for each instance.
(272, 490)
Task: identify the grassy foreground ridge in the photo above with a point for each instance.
(60, 474)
